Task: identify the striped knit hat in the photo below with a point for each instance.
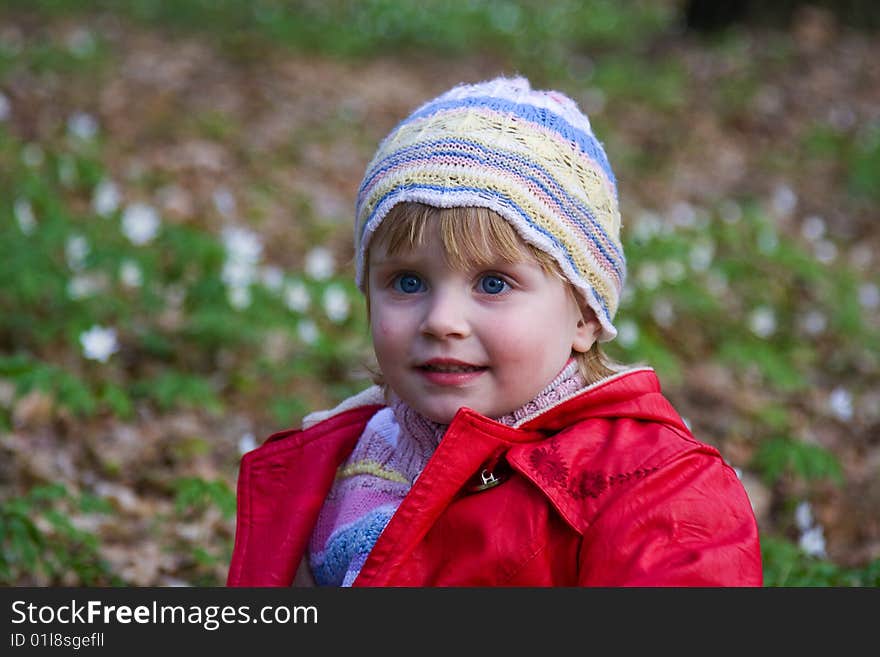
(530, 156)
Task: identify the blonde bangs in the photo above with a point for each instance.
(470, 236)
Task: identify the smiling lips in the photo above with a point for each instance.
(445, 371)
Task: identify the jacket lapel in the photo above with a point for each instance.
(270, 540)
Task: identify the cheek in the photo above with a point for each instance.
(386, 334)
(527, 345)
(514, 345)
(384, 324)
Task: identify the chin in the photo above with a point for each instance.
(440, 418)
(438, 415)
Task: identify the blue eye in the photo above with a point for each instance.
(492, 284)
(408, 284)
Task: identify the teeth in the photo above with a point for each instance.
(452, 368)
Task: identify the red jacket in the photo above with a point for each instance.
(608, 488)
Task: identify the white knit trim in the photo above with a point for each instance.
(368, 397)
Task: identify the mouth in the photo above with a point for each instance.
(450, 373)
(449, 366)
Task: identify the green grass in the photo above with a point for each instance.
(537, 38)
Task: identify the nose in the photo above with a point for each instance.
(445, 316)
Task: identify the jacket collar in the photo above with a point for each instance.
(599, 442)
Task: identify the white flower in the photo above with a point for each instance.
(80, 42)
(82, 126)
(861, 256)
(99, 343)
(812, 542)
(237, 273)
(648, 276)
(336, 304)
(5, 107)
(130, 274)
(140, 223)
(673, 271)
(701, 255)
(784, 200)
(683, 215)
(243, 251)
(813, 228)
(239, 296)
(246, 443)
(647, 225)
(84, 285)
(869, 296)
(825, 251)
(762, 322)
(242, 245)
(24, 215)
(79, 287)
(106, 198)
(272, 278)
(307, 331)
(813, 322)
(803, 516)
(840, 402)
(320, 264)
(76, 250)
(663, 312)
(296, 297)
(627, 333)
(224, 201)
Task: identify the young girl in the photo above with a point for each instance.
(499, 446)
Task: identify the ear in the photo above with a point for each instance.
(587, 330)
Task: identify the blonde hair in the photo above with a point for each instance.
(474, 235)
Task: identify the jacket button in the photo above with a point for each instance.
(487, 480)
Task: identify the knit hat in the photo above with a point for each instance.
(526, 154)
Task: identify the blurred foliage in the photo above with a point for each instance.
(533, 34)
(38, 538)
(781, 457)
(786, 565)
(858, 155)
(197, 494)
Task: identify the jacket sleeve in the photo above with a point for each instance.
(689, 523)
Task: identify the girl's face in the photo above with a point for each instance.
(489, 338)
